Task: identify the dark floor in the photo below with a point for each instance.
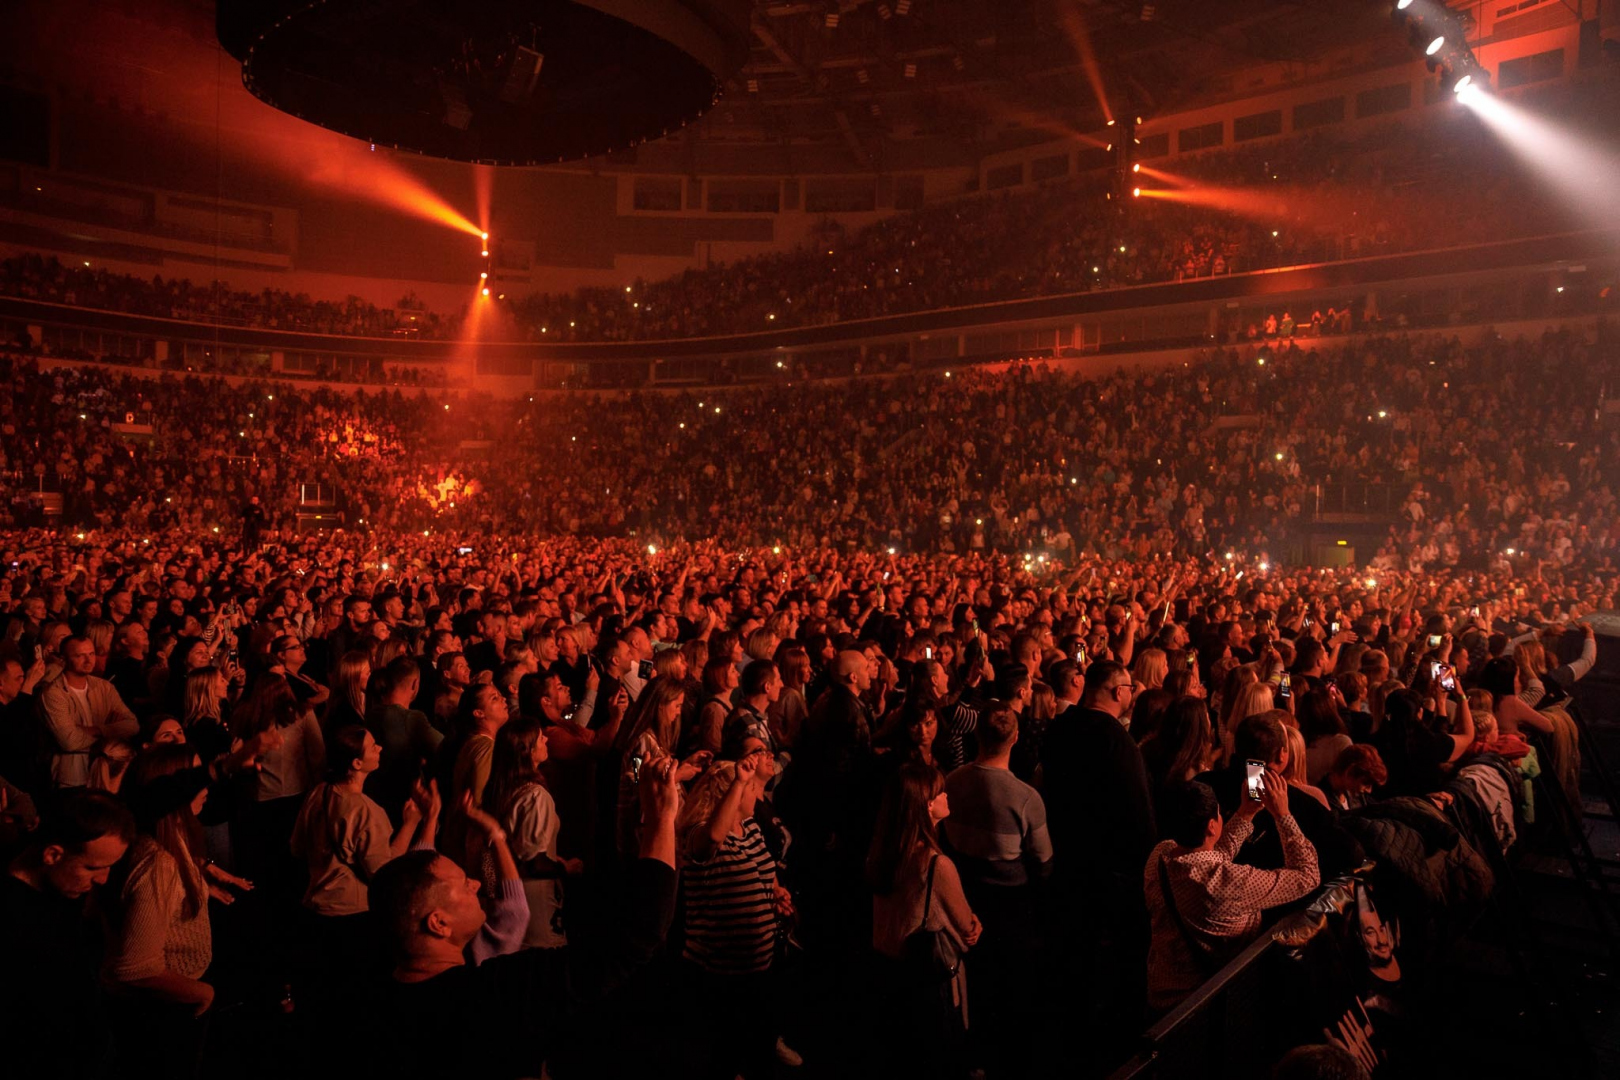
(1560, 1015)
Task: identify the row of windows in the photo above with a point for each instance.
(665, 193)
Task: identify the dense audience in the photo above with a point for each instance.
(1232, 454)
(845, 769)
(292, 774)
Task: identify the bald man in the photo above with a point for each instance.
(827, 792)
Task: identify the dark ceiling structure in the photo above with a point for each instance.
(804, 86)
(506, 82)
(871, 73)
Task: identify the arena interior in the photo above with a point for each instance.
(941, 539)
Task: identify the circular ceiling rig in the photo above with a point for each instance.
(507, 82)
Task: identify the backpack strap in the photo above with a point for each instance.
(928, 895)
(1201, 952)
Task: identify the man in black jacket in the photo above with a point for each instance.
(1261, 738)
(1100, 813)
(1095, 784)
(828, 800)
(440, 1016)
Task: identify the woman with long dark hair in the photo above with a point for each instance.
(344, 836)
(1324, 730)
(160, 943)
(915, 887)
(347, 705)
(188, 654)
(655, 734)
(1182, 747)
(517, 798)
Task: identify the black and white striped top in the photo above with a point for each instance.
(731, 905)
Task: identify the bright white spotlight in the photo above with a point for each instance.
(1435, 46)
(1463, 84)
(1568, 160)
(1402, 5)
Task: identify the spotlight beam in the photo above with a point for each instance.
(1566, 161)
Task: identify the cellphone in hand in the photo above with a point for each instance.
(635, 769)
(1254, 779)
(1285, 686)
(1434, 641)
(928, 652)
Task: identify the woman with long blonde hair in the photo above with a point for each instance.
(1150, 668)
(202, 712)
(1251, 699)
(100, 633)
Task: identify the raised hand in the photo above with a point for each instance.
(660, 790)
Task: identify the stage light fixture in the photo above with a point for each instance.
(483, 236)
(1136, 193)
(1402, 5)
(486, 292)
(1435, 46)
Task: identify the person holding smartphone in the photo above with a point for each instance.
(1203, 905)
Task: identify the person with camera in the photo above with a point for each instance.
(1203, 905)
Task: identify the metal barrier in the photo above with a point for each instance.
(1221, 1029)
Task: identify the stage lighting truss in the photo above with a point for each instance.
(1441, 35)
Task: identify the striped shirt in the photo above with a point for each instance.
(153, 933)
(956, 722)
(731, 905)
(997, 828)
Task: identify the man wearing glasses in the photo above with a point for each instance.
(1100, 815)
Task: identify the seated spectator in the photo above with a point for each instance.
(1355, 775)
(1204, 905)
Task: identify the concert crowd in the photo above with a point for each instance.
(991, 712)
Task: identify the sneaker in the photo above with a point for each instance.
(787, 1055)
